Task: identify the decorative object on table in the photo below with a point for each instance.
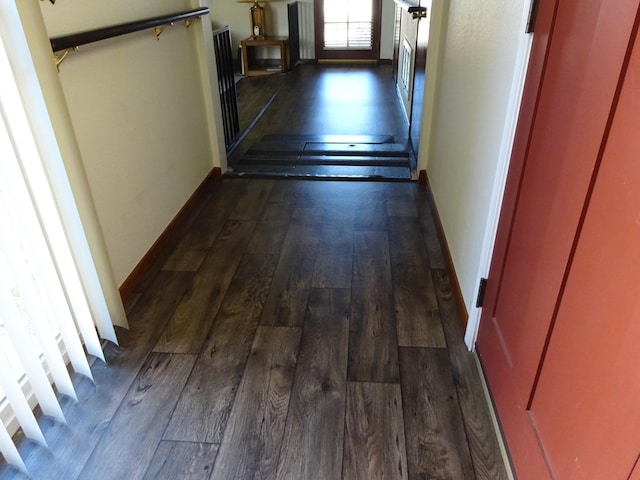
(258, 19)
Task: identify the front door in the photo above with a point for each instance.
(347, 29)
(543, 324)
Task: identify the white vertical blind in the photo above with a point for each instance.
(51, 303)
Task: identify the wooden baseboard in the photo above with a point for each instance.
(167, 237)
(423, 179)
(493, 412)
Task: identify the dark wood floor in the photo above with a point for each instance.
(332, 100)
(327, 99)
(298, 330)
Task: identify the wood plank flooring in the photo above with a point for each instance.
(324, 120)
(299, 330)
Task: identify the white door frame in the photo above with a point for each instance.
(439, 18)
(500, 179)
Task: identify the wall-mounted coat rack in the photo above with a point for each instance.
(62, 45)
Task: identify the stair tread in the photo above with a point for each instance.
(329, 138)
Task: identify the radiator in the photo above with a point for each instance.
(307, 35)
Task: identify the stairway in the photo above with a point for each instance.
(369, 157)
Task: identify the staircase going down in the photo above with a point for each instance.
(367, 157)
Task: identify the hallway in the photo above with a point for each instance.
(318, 113)
(296, 330)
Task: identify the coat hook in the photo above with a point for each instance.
(58, 58)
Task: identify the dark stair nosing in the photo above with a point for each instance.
(388, 149)
(327, 160)
(313, 149)
(276, 137)
(318, 171)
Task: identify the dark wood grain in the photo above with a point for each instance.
(145, 271)
(289, 291)
(251, 201)
(252, 440)
(372, 215)
(401, 205)
(69, 448)
(373, 351)
(334, 260)
(182, 460)
(436, 438)
(416, 305)
(187, 329)
(204, 406)
(254, 94)
(273, 224)
(426, 193)
(269, 235)
(229, 392)
(133, 434)
(482, 437)
(312, 444)
(196, 242)
(374, 444)
(430, 231)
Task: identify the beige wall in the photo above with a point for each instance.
(124, 96)
(142, 116)
(236, 15)
(471, 122)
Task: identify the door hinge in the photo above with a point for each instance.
(533, 13)
(481, 289)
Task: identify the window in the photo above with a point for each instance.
(348, 24)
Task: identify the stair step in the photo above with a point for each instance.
(251, 158)
(329, 138)
(377, 149)
(347, 172)
(384, 150)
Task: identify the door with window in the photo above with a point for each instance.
(347, 29)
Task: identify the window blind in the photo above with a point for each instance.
(51, 307)
(348, 24)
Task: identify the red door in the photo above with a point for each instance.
(586, 406)
(578, 59)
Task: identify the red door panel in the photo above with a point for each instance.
(587, 403)
(511, 414)
(588, 41)
(635, 474)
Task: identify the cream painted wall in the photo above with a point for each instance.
(141, 117)
(480, 73)
(236, 15)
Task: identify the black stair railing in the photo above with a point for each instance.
(226, 85)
